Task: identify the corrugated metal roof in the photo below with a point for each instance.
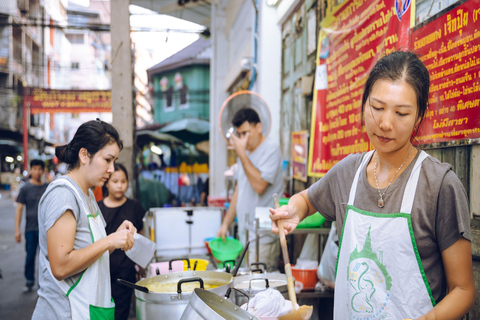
(198, 52)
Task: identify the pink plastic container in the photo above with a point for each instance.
(162, 267)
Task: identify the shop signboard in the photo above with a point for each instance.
(70, 101)
(360, 32)
(450, 48)
(351, 41)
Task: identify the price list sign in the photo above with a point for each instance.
(450, 48)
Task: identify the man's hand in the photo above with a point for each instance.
(239, 143)
(222, 232)
(18, 236)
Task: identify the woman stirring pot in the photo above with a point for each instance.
(74, 248)
(405, 237)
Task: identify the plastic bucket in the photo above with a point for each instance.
(228, 250)
(308, 277)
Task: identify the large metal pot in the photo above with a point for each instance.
(207, 305)
(252, 284)
(170, 305)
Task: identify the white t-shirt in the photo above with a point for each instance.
(267, 158)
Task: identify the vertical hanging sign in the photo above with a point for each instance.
(351, 40)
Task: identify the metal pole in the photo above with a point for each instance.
(25, 134)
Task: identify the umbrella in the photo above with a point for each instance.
(188, 130)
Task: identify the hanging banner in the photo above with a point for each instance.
(69, 101)
(352, 39)
(450, 48)
(299, 155)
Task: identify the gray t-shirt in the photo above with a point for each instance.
(29, 196)
(440, 214)
(52, 303)
(267, 158)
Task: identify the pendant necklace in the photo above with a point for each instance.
(381, 201)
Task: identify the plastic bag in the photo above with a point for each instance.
(326, 269)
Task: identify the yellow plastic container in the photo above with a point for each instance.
(201, 264)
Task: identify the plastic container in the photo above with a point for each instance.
(162, 267)
(228, 250)
(314, 221)
(308, 277)
(201, 264)
(206, 241)
(142, 251)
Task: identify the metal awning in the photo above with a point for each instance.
(197, 11)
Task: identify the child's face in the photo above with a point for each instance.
(391, 113)
(117, 184)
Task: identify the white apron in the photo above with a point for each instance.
(90, 297)
(379, 273)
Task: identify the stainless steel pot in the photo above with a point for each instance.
(207, 305)
(170, 305)
(252, 284)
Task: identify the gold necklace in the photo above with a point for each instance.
(381, 201)
(86, 196)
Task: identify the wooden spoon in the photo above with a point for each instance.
(298, 313)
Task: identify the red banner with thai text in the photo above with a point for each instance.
(68, 101)
(350, 43)
(450, 49)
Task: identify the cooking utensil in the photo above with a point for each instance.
(298, 313)
(133, 285)
(207, 305)
(240, 260)
(171, 305)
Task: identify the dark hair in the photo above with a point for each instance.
(245, 114)
(37, 162)
(118, 167)
(401, 65)
(92, 135)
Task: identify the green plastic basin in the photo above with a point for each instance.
(228, 250)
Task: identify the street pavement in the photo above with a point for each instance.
(14, 304)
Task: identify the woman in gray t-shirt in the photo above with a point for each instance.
(402, 216)
(74, 248)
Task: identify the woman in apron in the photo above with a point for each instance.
(74, 274)
(403, 218)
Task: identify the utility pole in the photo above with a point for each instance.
(122, 102)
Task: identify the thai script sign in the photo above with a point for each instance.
(351, 41)
(70, 101)
(450, 48)
(359, 33)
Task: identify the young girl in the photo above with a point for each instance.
(115, 208)
(403, 217)
(74, 248)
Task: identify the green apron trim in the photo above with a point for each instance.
(420, 265)
(90, 228)
(77, 282)
(99, 313)
(412, 238)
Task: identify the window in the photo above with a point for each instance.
(75, 65)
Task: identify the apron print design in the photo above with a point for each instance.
(366, 273)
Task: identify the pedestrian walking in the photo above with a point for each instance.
(29, 196)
